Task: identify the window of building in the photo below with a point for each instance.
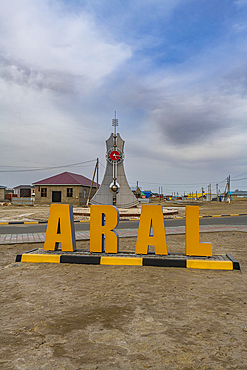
(25, 193)
(44, 192)
(70, 192)
(85, 193)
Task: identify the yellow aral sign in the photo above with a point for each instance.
(151, 217)
(103, 238)
(103, 220)
(192, 246)
(60, 228)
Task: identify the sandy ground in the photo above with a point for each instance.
(40, 213)
(61, 316)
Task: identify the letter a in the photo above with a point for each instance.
(193, 247)
(151, 216)
(103, 219)
(60, 228)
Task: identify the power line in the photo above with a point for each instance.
(163, 184)
(244, 178)
(28, 169)
(241, 174)
(222, 181)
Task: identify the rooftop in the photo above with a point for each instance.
(66, 178)
(23, 187)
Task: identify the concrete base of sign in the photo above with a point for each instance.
(217, 262)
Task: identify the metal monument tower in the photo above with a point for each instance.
(114, 189)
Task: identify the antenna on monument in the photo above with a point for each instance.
(115, 124)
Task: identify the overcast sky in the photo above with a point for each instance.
(174, 70)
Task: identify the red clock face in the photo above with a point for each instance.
(114, 155)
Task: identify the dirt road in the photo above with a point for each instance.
(40, 213)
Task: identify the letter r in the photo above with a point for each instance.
(103, 219)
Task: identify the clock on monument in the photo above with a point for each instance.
(114, 155)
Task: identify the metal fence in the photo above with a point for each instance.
(23, 201)
(145, 200)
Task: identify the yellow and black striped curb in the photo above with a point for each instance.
(211, 216)
(126, 219)
(228, 262)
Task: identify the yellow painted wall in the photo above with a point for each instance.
(193, 195)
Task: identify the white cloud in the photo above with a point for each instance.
(240, 3)
(51, 62)
(42, 36)
(63, 72)
(189, 121)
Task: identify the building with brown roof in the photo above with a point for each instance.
(65, 187)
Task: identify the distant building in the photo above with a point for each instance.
(2, 192)
(65, 187)
(146, 193)
(168, 197)
(136, 191)
(24, 191)
(239, 195)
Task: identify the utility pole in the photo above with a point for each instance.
(229, 195)
(96, 170)
(217, 192)
(209, 192)
(97, 164)
(225, 192)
